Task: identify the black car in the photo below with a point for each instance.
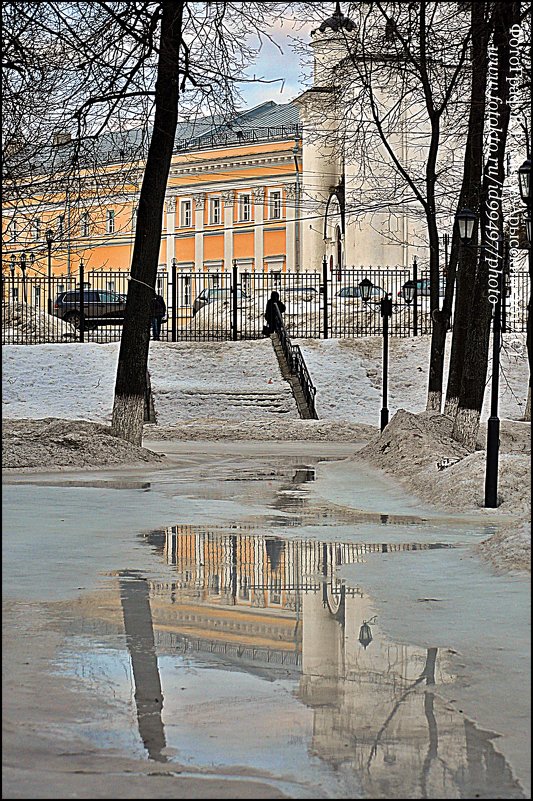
(100, 307)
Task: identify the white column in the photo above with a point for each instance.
(290, 226)
(199, 201)
(171, 230)
(259, 215)
(229, 200)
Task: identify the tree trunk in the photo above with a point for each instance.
(477, 343)
(438, 336)
(130, 386)
(470, 197)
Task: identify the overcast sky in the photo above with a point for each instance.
(286, 67)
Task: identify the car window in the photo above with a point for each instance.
(74, 297)
(109, 297)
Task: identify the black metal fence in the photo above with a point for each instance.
(230, 305)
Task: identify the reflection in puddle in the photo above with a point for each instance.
(252, 652)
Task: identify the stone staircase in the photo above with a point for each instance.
(305, 412)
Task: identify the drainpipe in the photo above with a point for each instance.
(297, 212)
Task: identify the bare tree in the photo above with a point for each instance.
(130, 67)
(466, 423)
(398, 96)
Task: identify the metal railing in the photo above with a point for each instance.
(230, 304)
(296, 363)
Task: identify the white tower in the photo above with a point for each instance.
(339, 220)
(323, 162)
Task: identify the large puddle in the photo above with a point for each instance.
(253, 644)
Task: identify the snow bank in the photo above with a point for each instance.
(415, 448)
(24, 324)
(53, 443)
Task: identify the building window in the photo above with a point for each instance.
(186, 214)
(110, 221)
(37, 296)
(14, 231)
(61, 225)
(36, 229)
(187, 291)
(244, 208)
(134, 212)
(214, 211)
(274, 205)
(85, 224)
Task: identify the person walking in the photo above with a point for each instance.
(159, 310)
(270, 313)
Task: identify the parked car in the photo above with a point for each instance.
(354, 293)
(296, 294)
(423, 287)
(216, 294)
(100, 307)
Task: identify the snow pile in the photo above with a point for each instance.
(413, 447)
(509, 548)
(214, 430)
(25, 324)
(56, 443)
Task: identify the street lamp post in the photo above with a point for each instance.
(23, 271)
(365, 287)
(466, 221)
(12, 270)
(49, 240)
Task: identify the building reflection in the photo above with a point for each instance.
(275, 607)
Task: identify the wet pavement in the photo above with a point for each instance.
(261, 615)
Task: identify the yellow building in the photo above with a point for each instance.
(233, 194)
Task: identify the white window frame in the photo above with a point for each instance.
(61, 225)
(274, 204)
(14, 231)
(245, 203)
(215, 204)
(85, 224)
(134, 213)
(186, 213)
(110, 221)
(36, 229)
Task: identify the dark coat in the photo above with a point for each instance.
(159, 308)
(270, 314)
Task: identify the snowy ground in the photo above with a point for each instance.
(238, 381)
(226, 390)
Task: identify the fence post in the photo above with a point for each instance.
(174, 303)
(415, 303)
(325, 294)
(82, 302)
(234, 302)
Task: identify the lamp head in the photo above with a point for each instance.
(524, 181)
(365, 287)
(408, 291)
(466, 220)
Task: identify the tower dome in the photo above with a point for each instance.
(337, 22)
